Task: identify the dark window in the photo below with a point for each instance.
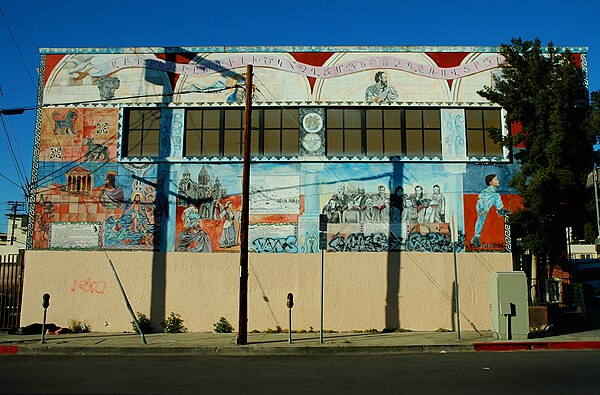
(383, 132)
(219, 132)
(202, 133)
(344, 132)
(280, 132)
(141, 133)
(479, 141)
(423, 132)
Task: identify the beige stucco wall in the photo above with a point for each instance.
(362, 290)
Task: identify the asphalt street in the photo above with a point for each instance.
(449, 373)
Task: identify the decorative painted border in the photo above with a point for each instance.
(314, 48)
(36, 153)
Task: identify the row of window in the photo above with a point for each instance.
(217, 132)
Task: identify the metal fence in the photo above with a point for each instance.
(11, 290)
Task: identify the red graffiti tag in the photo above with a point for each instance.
(89, 285)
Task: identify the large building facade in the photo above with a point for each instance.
(138, 159)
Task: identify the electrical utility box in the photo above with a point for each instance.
(508, 305)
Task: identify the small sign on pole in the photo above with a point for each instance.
(323, 222)
(322, 241)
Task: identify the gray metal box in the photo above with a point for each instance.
(508, 305)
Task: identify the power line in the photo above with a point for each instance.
(14, 141)
(20, 110)
(18, 49)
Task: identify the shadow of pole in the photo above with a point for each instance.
(395, 242)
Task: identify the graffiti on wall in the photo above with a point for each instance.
(273, 238)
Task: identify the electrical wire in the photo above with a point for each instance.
(19, 166)
(18, 49)
(118, 100)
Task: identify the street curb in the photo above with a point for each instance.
(234, 351)
(532, 346)
(9, 350)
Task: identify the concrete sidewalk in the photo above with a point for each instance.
(218, 344)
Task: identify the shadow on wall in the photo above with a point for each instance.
(158, 291)
(392, 304)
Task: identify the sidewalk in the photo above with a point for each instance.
(218, 344)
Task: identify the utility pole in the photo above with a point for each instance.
(242, 337)
(14, 206)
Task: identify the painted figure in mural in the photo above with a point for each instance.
(488, 197)
(427, 213)
(64, 125)
(397, 204)
(192, 238)
(381, 92)
(359, 207)
(332, 211)
(95, 152)
(139, 219)
(410, 213)
(111, 195)
(239, 92)
(381, 205)
(438, 201)
(341, 199)
(228, 235)
(108, 86)
(418, 197)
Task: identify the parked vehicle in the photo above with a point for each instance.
(588, 271)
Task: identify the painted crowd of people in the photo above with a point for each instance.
(360, 207)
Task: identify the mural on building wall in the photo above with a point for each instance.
(196, 207)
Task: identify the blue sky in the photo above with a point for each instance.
(66, 24)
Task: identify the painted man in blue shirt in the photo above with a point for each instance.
(487, 198)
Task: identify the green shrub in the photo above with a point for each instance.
(173, 324)
(223, 326)
(144, 323)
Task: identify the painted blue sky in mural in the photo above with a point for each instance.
(185, 23)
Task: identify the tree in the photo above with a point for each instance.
(543, 90)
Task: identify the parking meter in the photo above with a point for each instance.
(46, 301)
(290, 303)
(45, 304)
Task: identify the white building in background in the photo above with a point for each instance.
(17, 231)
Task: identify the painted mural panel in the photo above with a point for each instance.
(486, 211)
(84, 78)
(208, 208)
(130, 211)
(370, 77)
(79, 134)
(404, 206)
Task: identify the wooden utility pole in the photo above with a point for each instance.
(242, 337)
